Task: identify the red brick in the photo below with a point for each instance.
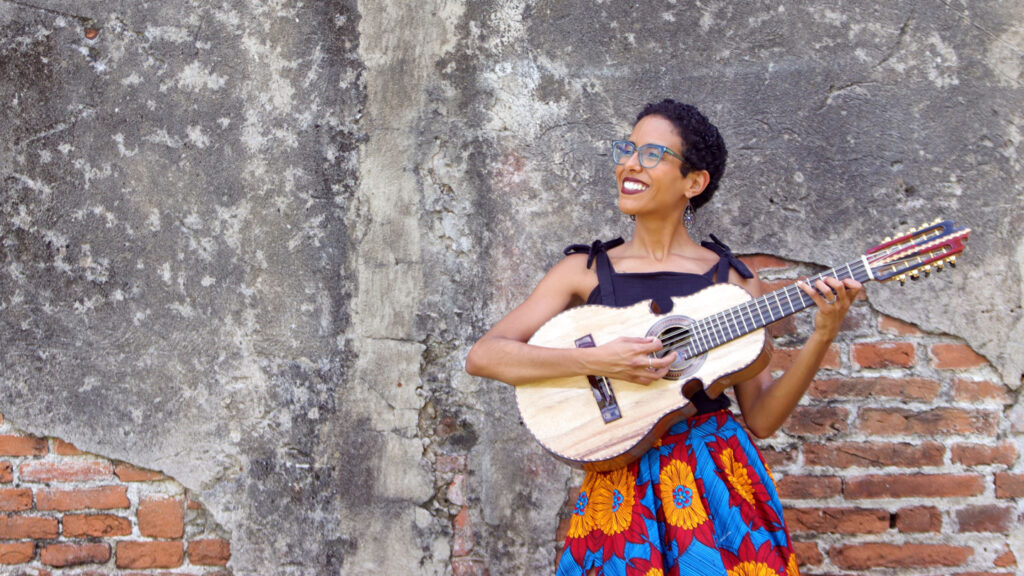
(809, 487)
(785, 327)
(68, 471)
(884, 354)
(874, 454)
(915, 519)
(162, 517)
(101, 498)
(562, 530)
(913, 486)
(878, 555)
(143, 555)
(462, 541)
(973, 391)
(817, 420)
(6, 472)
(445, 464)
(17, 552)
(1005, 560)
(986, 518)
(837, 520)
(889, 325)
(930, 423)
(27, 527)
(782, 359)
(911, 389)
(62, 555)
(465, 566)
(1004, 453)
(95, 526)
(129, 473)
(63, 448)
(212, 552)
(1009, 485)
(15, 499)
(777, 458)
(11, 445)
(770, 285)
(807, 553)
(955, 357)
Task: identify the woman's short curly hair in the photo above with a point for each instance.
(703, 147)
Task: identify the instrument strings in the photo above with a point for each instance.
(714, 330)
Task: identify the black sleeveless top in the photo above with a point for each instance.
(627, 288)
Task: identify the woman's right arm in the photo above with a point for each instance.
(503, 353)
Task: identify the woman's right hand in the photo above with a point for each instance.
(632, 359)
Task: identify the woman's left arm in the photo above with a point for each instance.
(766, 403)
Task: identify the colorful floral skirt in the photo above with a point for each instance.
(700, 502)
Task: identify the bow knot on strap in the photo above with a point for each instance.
(719, 247)
(593, 249)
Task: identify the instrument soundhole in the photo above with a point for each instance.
(674, 333)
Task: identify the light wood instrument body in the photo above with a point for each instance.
(719, 334)
(563, 415)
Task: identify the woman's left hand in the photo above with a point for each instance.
(833, 298)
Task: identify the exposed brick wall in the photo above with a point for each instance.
(63, 511)
(900, 458)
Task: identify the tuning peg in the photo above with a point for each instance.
(937, 221)
(914, 275)
(903, 279)
(938, 266)
(887, 239)
(927, 270)
(952, 261)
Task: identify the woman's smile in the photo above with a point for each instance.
(633, 186)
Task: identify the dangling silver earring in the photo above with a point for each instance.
(688, 217)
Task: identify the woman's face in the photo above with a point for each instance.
(658, 190)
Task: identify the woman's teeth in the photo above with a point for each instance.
(633, 186)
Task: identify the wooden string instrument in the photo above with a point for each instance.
(719, 334)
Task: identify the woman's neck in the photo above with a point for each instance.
(657, 240)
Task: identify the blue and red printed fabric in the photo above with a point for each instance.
(700, 502)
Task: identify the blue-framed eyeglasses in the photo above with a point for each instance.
(649, 154)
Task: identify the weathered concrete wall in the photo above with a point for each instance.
(248, 243)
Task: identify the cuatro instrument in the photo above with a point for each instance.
(719, 334)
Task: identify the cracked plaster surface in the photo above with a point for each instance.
(248, 244)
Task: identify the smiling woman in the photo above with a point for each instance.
(700, 501)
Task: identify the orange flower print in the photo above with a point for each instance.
(582, 520)
(679, 496)
(791, 569)
(737, 476)
(745, 487)
(612, 501)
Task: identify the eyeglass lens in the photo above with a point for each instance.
(650, 154)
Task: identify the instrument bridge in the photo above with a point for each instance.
(601, 388)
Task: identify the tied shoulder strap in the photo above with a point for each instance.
(726, 260)
(598, 252)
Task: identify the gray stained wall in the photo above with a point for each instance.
(249, 243)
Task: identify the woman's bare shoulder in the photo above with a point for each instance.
(573, 274)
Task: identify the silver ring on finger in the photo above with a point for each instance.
(650, 364)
